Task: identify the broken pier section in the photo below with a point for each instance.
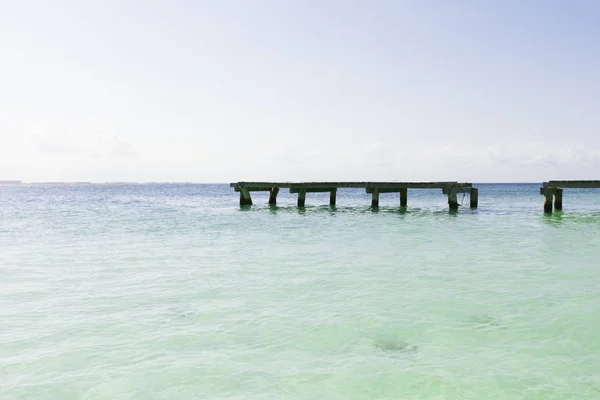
(451, 189)
(553, 190)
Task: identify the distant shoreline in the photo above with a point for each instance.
(18, 182)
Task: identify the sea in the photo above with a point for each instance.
(174, 291)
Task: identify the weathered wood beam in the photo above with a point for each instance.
(415, 185)
(312, 190)
(383, 190)
(457, 189)
(329, 185)
(253, 189)
(573, 184)
(445, 189)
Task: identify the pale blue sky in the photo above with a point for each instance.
(223, 91)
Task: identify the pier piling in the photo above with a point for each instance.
(332, 196)
(558, 192)
(273, 196)
(245, 199)
(452, 199)
(548, 197)
(403, 197)
(474, 197)
(301, 197)
(375, 198)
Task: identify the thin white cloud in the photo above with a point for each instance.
(291, 153)
(59, 143)
(537, 154)
(87, 139)
(112, 146)
(381, 154)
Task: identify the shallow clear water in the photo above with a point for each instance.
(174, 291)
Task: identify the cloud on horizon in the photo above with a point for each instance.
(86, 140)
(496, 155)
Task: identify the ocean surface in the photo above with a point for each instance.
(175, 292)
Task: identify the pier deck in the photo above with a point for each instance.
(374, 188)
(554, 190)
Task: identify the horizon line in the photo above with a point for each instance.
(19, 182)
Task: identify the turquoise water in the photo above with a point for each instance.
(174, 292)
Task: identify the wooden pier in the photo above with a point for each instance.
(451, 189)
(553, 190)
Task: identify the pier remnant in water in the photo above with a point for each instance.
(245, 199)
(403, 197)
(558, 199)
(451, 189)
(375, 197)
(553, 190)
(474, 197)
(273, 196)
(452, 192)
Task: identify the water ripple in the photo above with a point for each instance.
(174, 291)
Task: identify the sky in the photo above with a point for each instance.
(224, 91)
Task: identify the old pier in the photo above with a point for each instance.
(451, 189)
(553, 190)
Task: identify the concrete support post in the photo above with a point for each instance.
(273, 196)
(332, 196)
(548, 196)
(375, 198)
(403, 197)
(245, 199)
(452, 200)
(474, 197)
(558, 199)
(301, 197)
